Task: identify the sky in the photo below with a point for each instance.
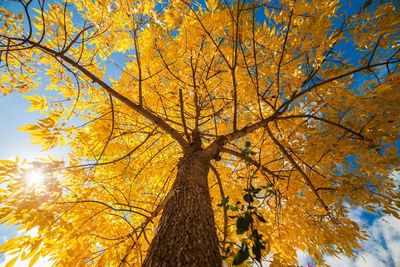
(381, 250)
(14, 142)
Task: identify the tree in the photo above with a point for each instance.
(200, 131)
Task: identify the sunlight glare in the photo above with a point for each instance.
(34, 177)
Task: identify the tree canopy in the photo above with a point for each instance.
(296, 102)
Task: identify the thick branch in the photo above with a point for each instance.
(214, 147)
(182, 109)
(141, 110)
(298, 95)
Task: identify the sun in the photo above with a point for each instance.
(34, 177)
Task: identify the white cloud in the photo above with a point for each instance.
(381, 250)
(303, 258)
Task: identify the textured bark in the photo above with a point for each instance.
(186, 235)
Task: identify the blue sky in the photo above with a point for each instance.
(14, 142)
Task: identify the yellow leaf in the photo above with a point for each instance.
(4, 78)
(34, 259)
(11, 262)
(212, 5)
(29, 127)
(37, 103)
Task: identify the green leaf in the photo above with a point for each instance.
(257, 190)
(223, 202)
(241, 255)
(257, 252)
(261, 218)
(247, 144)
(233, 208)
(242, 223)
(253, 190)
(248, 198)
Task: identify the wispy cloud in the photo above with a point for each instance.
(381, 250)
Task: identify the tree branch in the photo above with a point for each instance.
(298, 95)
(182, 109)
(252, 161)
(298, 168)
(362, 137)
(141, 110)
(281, 58)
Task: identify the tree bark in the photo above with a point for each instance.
(186, 234)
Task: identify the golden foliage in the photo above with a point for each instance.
(127, 83)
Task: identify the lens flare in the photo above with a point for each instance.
(34, 177)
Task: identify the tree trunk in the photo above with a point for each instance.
(186, 234)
